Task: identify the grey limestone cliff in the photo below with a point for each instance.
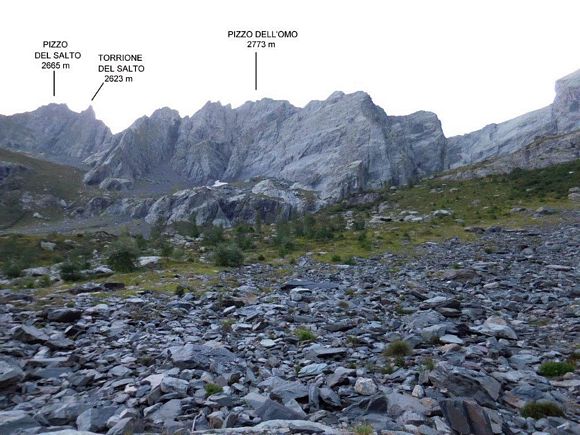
(494, 140)
(278, 159)
(55, 132)
(337, 146)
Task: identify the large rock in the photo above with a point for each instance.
(168, 411)
(69, 432)
(198, 356)
(64, 412)
(365, 386)
(400, 403)
(13, 421)
(10, 374)
(463, 382)
(294, 426)
(497, 327)
(123, 427)
(272, 410)
(466, 417)
(64, 315)
(223, 205)
(95, 419)
(170, 384)
(30, 334)
(286, 391)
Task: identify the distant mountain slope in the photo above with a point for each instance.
(334, 147)
(55, 132)
(337, 146)
(29, 185)
(542, 152)
(562, 116)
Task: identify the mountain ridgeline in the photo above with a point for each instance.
(327, 150)
(335, 147)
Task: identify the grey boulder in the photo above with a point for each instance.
(466, 417)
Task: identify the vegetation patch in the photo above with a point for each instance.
(555, 368)
(305, 334)
(211, 389)
(541, 409)
(398, 348)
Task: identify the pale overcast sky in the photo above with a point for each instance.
(471, 62)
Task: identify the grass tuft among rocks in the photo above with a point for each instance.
(541, 409)
(305, 334)
(211, 389)
(364, 429)
(555, 368)
(398, 348)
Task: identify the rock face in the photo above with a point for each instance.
(337, 146)
(277, 159)
(222, 205)
(562, 116)
(541, 153)
(55, 132)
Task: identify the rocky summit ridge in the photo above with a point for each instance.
(321, 153)
(337, 146)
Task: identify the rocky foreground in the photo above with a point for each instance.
(450, 339)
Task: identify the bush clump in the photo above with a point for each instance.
(228, 255)
(211, 389)
(12, 269)
(123, 255)
(15, 255)
(537, 410)
(305, 334)
(554, 368)
(71, 271)
(364, 429)
(213, 235)
(398, 348)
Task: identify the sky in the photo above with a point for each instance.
(471, 62)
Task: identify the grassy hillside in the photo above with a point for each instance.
(338, 234)
(40, 180)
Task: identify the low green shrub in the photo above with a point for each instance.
(71, 271)
(12, 269)
(555, 368)
(305, 334)
(213, 235)
(398, 348)
(364, 429)
(211, 389)
(228, 255)
(541, 409)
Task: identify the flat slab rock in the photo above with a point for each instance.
(279, 426)
(199, 356)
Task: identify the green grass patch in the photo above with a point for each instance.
(211, 389)
(363, 429)
(304, 334)
(555, 368)
(398, 348)
(541, 409)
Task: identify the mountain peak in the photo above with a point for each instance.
(165, 113)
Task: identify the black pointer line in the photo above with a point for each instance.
(97, 91)
(256, 71)
(53, 83)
